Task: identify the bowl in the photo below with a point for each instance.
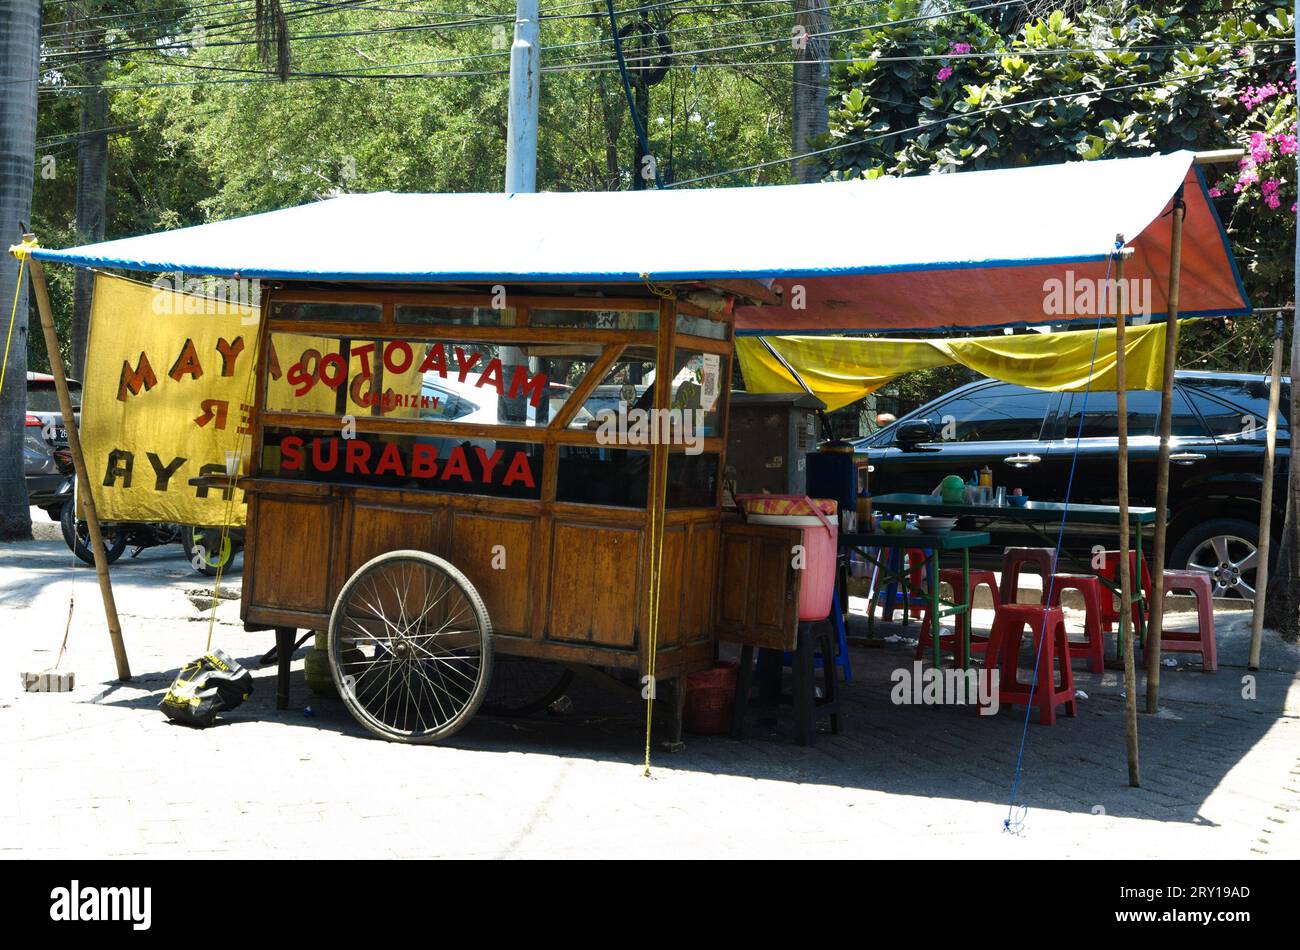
(935, 525)
(1017, 501)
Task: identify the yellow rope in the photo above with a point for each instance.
(659, 500)
(22, 252)
(232, 474)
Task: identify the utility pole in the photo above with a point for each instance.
(525, 76)
(812, 74)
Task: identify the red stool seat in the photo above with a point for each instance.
(1014, 558)
(1093, 646)
(951, 642)
(1052, 649)
(1201, 640)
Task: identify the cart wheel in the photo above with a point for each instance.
(410, 647)
(521, 686)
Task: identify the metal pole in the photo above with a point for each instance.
(1266, 496)
(521, 134)
(79, 462)
(1125, 574)
(1157, 607)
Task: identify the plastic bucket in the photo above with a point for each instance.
(820, 544)
(709, 699)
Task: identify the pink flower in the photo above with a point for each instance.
(1216, 193)
(958, 49)
(943, 74)
(1270, 187)
(1286, 144)
(1247, 178)
(1273, 201)
(1293, 204)
(1259, 150)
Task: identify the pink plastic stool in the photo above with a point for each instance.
(1093, 647)
(1014, 558)
(1200, 640)
(1047, 632)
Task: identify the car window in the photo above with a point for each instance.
(42, 397)
(443, 406)
(1101, 418)
(998, 413)
(1232, 406)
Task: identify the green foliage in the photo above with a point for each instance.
(1109, 79)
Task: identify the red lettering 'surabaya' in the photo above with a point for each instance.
(291, 453)
(357, 457)
(325, 464)
(489, 464)
(424, 460)
(390, 460)
(519, 471)
(457, 464)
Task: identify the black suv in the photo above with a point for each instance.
(1027, 437)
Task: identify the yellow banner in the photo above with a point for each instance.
(840, 370)
(168, 388)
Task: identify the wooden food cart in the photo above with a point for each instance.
(431, 484)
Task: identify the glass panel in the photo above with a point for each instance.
(42, 396)
(457, 316)
(1236, 402)
(429, 463)
(595, 319)
(996, 414)
(1101, 419)
(630, 381)
(346, 312)
(697, 388)
(699, 326)
(600, 475)
(460, 381)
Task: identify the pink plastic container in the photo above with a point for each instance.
(820, 527)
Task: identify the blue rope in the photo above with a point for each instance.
(1014, 822)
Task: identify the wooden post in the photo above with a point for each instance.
(1266, 497)
(1125, 574)
(79, 462)
(1157, 606)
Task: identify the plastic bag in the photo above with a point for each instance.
(204, 687)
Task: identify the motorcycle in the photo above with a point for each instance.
(205, 548)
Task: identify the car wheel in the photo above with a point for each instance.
(1224, 548)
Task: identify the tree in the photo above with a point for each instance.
(20, 31)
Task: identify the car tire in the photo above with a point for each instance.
(1219, 547)
(114, 541)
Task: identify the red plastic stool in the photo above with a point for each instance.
(1093, 645)
(1047, 631)
(1200, 640)
(1109, 603)
(951, 642)
(1014, 558)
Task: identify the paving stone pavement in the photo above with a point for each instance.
(100, 772)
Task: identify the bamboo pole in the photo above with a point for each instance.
(1125, 578)
(1266, 497)
(79, 462)
(1157, 606)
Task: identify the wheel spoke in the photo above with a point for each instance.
(1220, 545)
(1248, 562)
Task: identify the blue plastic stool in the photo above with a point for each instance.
(842, 641)
(892, 593)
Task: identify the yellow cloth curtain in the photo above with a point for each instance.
(840, 370)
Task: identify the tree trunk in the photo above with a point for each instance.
(812, 73)
(92, 187)
(20, 31)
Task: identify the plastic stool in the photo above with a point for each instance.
(842, 641)
(918, 571)
(1201, 640)
(1110, 571)
(1093, 645)
(808, 706)
(1052, 650)
(1014, 558)
(952, 641)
